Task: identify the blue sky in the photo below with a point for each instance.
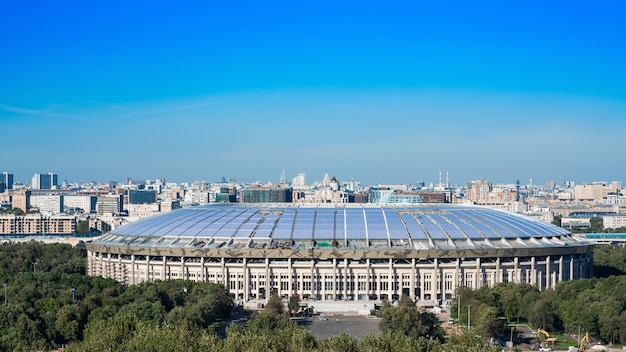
(371, 91)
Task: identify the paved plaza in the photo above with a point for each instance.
(324, 326)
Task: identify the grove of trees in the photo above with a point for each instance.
(48, 302)
(596, 305)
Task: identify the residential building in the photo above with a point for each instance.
(37, 224)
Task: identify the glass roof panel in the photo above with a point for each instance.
(450, 229)
(434, 231)
(355, 224)
(415, 230)
(397, 231)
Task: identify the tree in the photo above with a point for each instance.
(294, 304)
(405, 301)
(487, 322)
(402, 320)
(274, 304)
(82, 227)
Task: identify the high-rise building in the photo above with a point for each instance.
(7, 179)
(47, 181)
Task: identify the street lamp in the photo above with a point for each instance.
(73, 294)
(34, 265)
(458, 310)
(5, 293)
(469, 312)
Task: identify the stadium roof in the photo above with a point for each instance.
(347, 226)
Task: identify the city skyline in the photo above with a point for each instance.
(388, 93)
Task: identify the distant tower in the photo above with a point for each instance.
(440, 184)
(447, 180)
(517, 191)
(7, 179)
(283, 179)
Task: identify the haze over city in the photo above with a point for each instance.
(380, 93)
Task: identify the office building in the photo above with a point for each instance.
(47, 203)
(80, 202)
(142, 196)
(6, 179)
(267, 194)
(45, 181)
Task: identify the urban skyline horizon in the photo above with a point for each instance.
(440, 179)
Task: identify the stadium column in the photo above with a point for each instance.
(571, 267)
(390, 281)
(548, 273)
(368, 281)
(224, 273)
(497, 276)
(268, 279)
(560, 274)
(435, 281)
(335, 276)
(421, 275)
(246, 280)
(517, 276)
(457, 276)
(121, 268)
(182, 268)
(533, 272)
(412, 284)
(203, 275)
(147, 268)
(477, 275)
(345, 278)
(132, 266)
(290, 276)
(164, 267)
(313, 279)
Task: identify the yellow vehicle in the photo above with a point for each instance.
(547, 335)
(583, 342)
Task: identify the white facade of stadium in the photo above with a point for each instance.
(336, 252)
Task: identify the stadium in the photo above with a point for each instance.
(342, 252)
